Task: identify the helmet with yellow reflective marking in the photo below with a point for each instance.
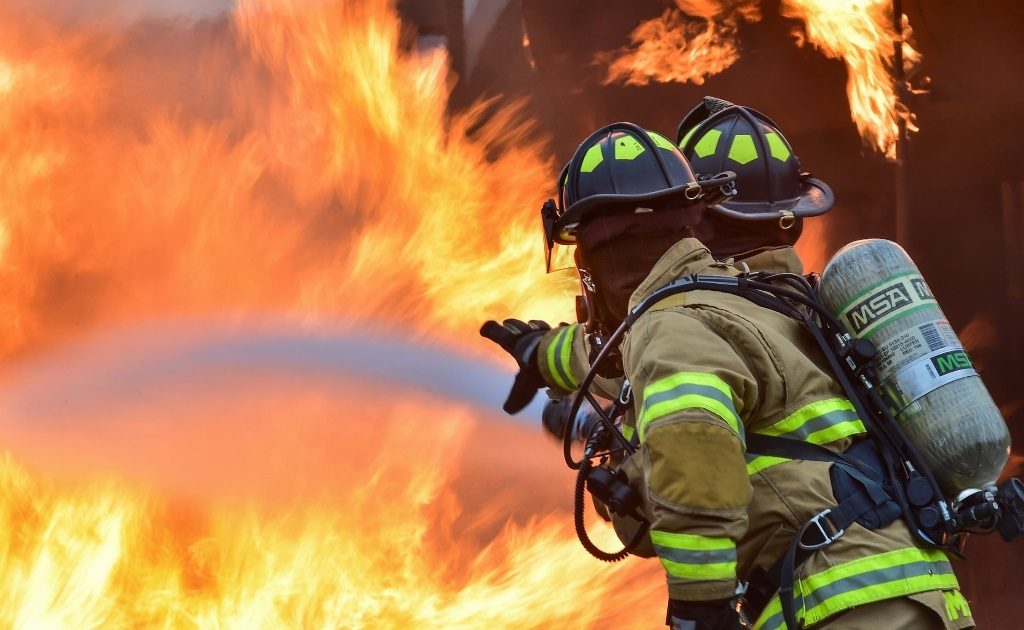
(624, 168)
(718, 135)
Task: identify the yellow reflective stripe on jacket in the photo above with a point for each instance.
(871, 579)
(694, 557)
(559, 355)
(820, 422)
(628, 432)
(688, 390)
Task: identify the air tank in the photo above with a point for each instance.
(878, 293)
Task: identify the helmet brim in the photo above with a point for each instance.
(816, 198)
(676, 197)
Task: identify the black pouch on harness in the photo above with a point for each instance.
(848, 481)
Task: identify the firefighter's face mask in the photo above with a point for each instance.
(619, 250)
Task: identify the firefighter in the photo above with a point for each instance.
(707, 369)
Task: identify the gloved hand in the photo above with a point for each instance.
(520, 340)
(721, 614)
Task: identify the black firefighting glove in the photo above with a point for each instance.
(520, 340)
(721, 614)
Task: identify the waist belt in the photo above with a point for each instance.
(823, 529)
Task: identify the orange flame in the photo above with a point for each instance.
(681, 49)
(860, 32)
(314, 171)
(677, 48)
(293, 160)
(356, 524)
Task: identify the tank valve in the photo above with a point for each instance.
(1010, 497)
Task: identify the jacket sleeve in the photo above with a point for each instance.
(563, 357)
(691, 389)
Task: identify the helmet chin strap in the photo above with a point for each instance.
(591, 314)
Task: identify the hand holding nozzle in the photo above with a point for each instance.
(520, 339)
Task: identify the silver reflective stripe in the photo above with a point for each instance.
(843, 587)
(820, 423)
(685, 556)
(878, 576)
(696, 390)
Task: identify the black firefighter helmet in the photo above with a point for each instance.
(624, 168)
(717, 135)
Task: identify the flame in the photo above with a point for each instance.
(315, 172)
(686, 44)
(86, 550)
(698, 39)
(293, 159)
(860, 32)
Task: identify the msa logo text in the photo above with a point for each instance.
(878, 305)
(952, 361)
(922, 289)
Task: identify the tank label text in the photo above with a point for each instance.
(912, 344)
(928, 373)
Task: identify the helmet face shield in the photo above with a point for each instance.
(561, 257)
(558, 253)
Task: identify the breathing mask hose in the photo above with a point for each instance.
(584, 387)
(581, 528)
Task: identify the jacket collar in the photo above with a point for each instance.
(690, 256)
(776, 260)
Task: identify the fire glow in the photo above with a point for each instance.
(293, 160)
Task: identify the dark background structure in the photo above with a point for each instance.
(964, 169)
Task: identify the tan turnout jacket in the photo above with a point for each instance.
(706, 369)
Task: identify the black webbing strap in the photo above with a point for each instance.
(758, 444)
(828, 525)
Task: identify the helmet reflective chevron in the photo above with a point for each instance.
(717, 135)
(621, 167)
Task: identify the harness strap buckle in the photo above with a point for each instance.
(625, 394)
(829, 532)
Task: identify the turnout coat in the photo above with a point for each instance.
(707, 369)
